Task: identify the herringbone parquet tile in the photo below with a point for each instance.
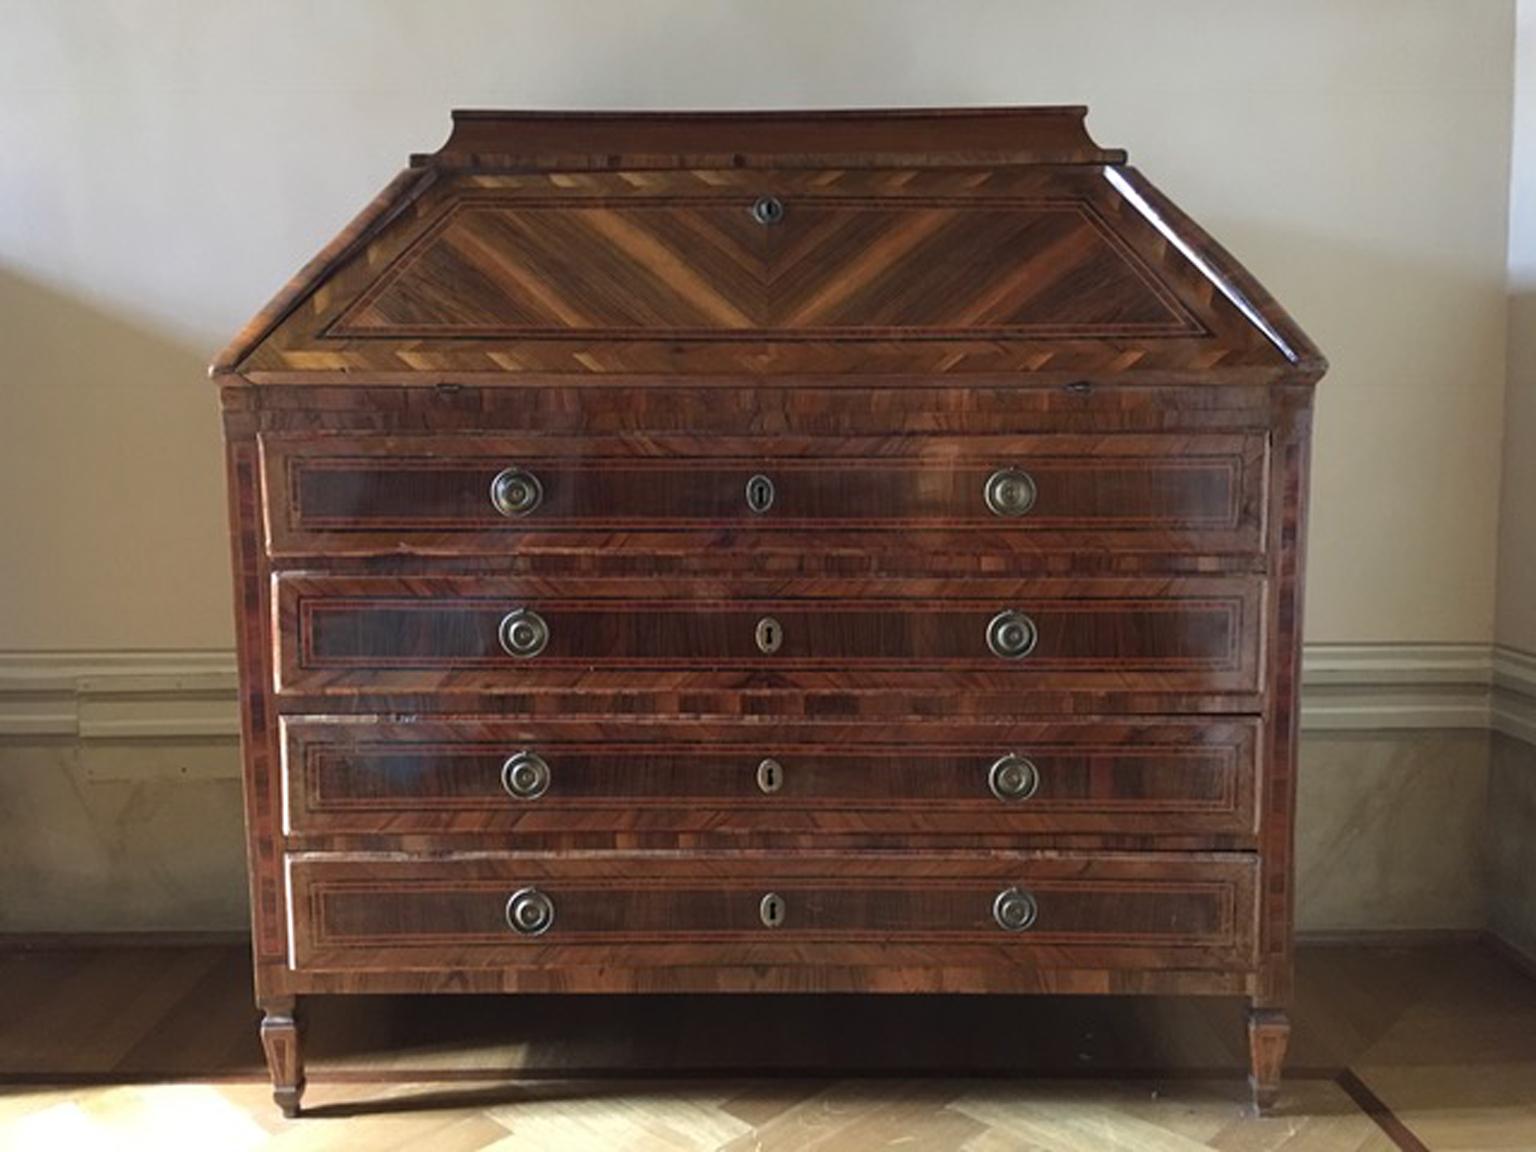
(1190, 1116)
(154, 1049)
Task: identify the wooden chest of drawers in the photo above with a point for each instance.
(782, 552)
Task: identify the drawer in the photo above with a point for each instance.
(362, 495)
(939, 909)
(628, 778)
(346, 633)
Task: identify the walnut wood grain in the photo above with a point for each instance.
(282, 1034)
(258, 715)
(900, 783)
(929, 270)
(944, 293)
(742, 407)
(1292, 445)
(361, 912)
(376, 495)
(904, 971)
(1269, 1034)
(496, 268)
(783, 139)
(337, 634)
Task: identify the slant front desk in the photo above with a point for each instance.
(783, 552)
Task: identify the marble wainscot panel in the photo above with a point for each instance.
(129, 836)
(1390, 831)
(1512, 842)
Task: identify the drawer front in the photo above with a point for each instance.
(342, 634)
(472, 777)
(1019, 908)
(1195, 492)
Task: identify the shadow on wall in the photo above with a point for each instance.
(111, 481)
(1512, 842)
(1512, 778)
(1517, 525)
(112, 501)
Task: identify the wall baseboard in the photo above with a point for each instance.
(13, 942)
(1512, 952)
(1375, 687)
(119, 695)
(1392, 687)
(1387, 937)
(1513, 685)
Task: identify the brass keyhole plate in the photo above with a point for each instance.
(760, 494)
(768, 210)
(772, 910)
(769, 635)
(770, 776)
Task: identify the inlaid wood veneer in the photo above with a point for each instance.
(378, 495)
(853, 552)
(340, 633)
(608, 783)
(357, 912)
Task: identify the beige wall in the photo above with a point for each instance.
(1517, 524)
(165, 166)
(168, 165)
(1512, 769)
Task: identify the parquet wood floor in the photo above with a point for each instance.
(155, 1048)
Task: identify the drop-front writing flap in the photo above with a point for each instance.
(470, 268)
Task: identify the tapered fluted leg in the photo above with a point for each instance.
(282, 1034)
(1269, 1031)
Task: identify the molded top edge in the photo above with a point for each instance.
(875, 137)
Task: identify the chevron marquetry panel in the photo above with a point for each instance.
(850, 269)
(1044, 269)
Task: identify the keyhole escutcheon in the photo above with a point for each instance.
(768, 210)
(760, 493)
(772, 910)
(770, 775)
(769, 635)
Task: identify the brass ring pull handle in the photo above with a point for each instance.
(1013, 777)
(768, 210)
(1011, 635)
(523, 633)
(516, 492)
(1014, 910)
(1010, 492)
(525, 775)
(530, 912)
